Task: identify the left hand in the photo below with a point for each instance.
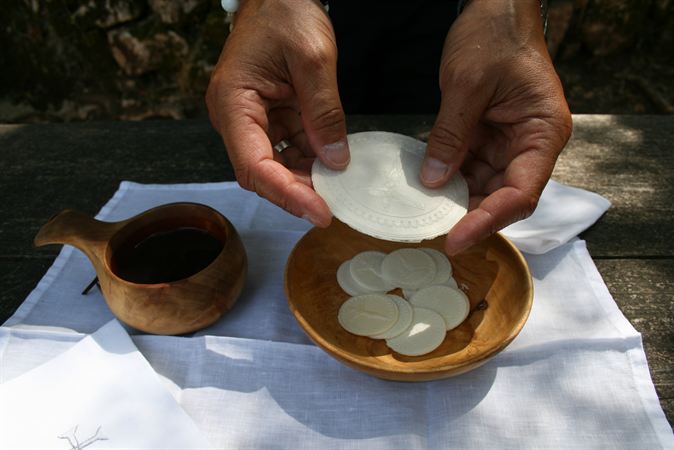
(503, 119)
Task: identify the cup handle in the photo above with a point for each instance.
(71, 227)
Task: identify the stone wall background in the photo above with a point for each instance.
(96, 59)
(64, 60)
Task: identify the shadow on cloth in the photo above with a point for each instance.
(282, 381)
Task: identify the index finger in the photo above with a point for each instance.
(242, 128)
(523, 183)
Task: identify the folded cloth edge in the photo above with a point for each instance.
(521, 237)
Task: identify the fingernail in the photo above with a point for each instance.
(317, 222)
(308, 218)
(458, 250)
(337, 153)
(433, 170)
(454, 246)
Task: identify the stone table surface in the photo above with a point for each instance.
(628, 159)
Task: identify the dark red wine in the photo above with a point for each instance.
(167, 256)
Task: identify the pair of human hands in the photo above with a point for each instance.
(503, 118)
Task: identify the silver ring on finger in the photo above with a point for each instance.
(282, 145)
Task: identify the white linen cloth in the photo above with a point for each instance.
(100, 393)
(576, 377)
(563, 212)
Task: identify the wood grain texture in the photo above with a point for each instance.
(174, 307)
(629, 160)
(49, 167)
(493, 271)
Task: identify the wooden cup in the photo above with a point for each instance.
(175, 307)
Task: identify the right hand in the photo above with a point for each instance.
(277, 79)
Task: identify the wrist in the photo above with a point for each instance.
(535, 9)
(235, 8)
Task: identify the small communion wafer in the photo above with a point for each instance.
(368, 314)
(450, 303)
(408, 268)
(451, 283)
(345, 280)
(423, 335)
(443, 269)
(365, 270)
(405, 314)
(409, 293)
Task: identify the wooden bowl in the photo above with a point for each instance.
(493, 274)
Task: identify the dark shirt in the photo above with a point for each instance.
(389, 54)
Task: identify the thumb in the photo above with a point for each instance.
(315, 83)
(448, 143)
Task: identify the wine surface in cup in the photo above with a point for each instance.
(166, 256)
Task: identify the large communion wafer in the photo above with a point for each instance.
(380, 193)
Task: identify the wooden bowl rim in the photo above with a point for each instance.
(228, 226)
(475, 361)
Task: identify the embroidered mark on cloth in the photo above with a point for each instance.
(75, 444)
